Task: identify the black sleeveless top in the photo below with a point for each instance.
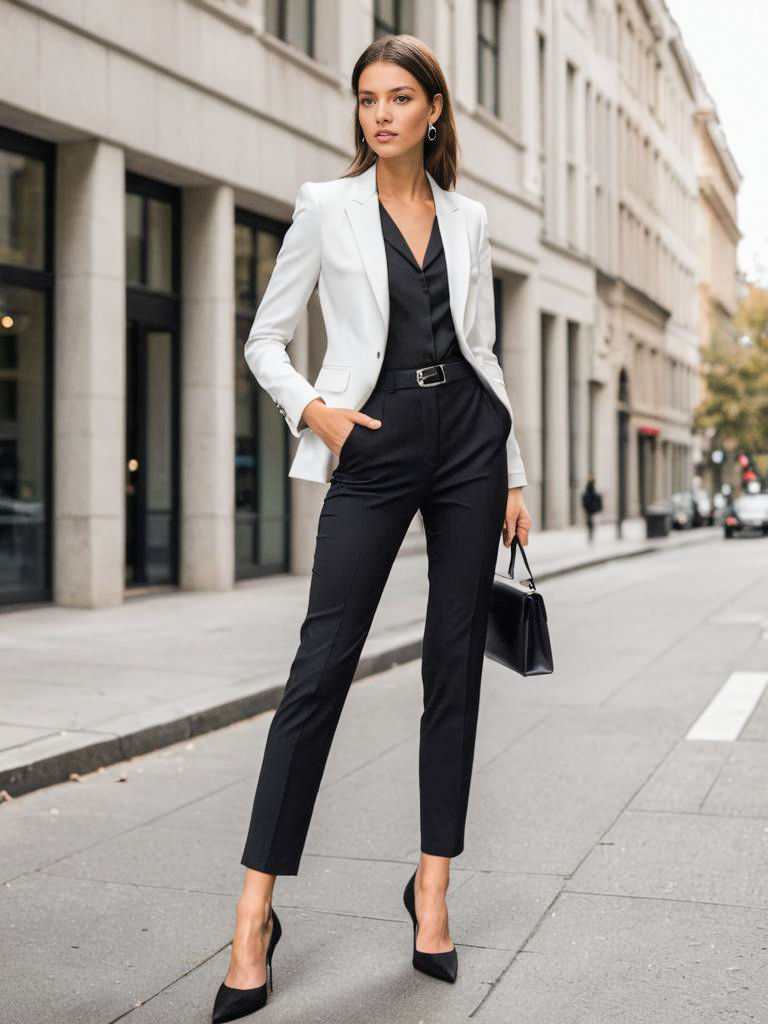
(421, 330)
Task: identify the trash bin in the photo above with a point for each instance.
(658, 520)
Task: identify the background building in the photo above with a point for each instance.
(150, 156)
(717, 239)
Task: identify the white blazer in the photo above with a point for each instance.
(335, 241)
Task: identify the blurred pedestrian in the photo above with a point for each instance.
(591, 502)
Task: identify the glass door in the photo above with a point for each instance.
(153, 272)
(151, 484)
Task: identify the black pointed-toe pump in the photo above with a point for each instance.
(232, 1003)
(440, 965)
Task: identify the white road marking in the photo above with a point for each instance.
(726, 714)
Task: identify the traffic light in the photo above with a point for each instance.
(750, 478)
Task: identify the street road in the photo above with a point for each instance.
(615, 867)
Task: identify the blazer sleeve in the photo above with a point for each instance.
(293, 279)
(486, 321)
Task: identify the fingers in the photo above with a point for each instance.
(516, 522)
(523, 525)
(521, 531)
(368, 421)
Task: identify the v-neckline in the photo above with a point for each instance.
(405, 241)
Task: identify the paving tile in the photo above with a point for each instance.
(49, 824)
(541, 805)
(699, 857)
(337, 969)
(91, 952)
(17, 735)
(685, 777)
(498, 910)
(742, 785)
(604, 959)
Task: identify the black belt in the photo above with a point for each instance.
(424, 376)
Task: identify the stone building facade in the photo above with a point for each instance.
(150, 155)
(717, 239)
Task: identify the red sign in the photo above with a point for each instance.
(649, 431)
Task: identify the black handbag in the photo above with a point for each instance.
(518, 636)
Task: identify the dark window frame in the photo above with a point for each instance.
(42, 281)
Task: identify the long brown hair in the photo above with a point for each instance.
(440, 156)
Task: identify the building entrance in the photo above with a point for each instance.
(151, 456)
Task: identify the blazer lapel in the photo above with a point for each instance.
(362, 209)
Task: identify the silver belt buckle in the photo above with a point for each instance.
(425, 369)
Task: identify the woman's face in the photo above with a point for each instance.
(391, 100)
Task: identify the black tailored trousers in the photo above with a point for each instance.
(440, 450)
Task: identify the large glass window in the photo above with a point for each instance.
(262, 495)
(391, 17)
(293, 21)
(22, 210)
(149, 242)
(26, 182)
(488, 55)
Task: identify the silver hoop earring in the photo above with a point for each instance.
(434, 131)
(362, 138)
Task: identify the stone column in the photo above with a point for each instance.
(604, 419)
(89, 399)
(528, 72)
(557, 427)
(583, 346)
(464, 69)
(208, 389)
(520, 360)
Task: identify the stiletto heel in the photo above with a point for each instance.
(231, 1003)
(440, 965)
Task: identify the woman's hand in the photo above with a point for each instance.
(517, 519)
(333, 425)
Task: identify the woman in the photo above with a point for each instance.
(411, 400)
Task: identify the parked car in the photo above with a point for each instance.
(684, 512)
(704, 508)
(748, 513)
(721, 504)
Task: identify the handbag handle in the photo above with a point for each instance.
(512, 549)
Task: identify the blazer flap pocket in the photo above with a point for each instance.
(332, 378)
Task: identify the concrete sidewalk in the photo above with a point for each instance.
(84, 688)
